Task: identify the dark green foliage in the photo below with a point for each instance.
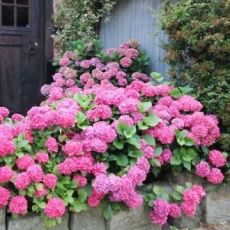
(198, 51)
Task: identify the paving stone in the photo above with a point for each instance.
(33, 222)
(89, 220)
(2, 219)
(218, 206)
(137, 219)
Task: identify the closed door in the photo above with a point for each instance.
(21, 53)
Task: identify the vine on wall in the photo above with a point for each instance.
(78, 20)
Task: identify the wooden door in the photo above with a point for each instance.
(21, 53)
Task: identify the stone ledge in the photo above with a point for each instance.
(89, 220)
(217, 206)
(2, 219)
(33, 222)
(137, 219)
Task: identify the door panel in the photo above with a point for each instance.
(21, 53)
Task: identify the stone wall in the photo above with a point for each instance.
(214, 213)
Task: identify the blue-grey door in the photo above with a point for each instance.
(134, 19)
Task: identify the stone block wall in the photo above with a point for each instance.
(214, 213)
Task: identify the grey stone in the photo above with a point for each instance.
(137, 219)
(183, 177)
(190, 222)
(218, 206)
(88, 220)
(33, 222)
(2, 219)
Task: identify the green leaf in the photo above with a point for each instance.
(205, 149)
(82, 195)
(154, 162)
(78, 206)
(176, 93)
(156, 76)
(176, 196)
(41, 205)
(189, 141)
(122, 160)
(176, 160)
(135, 153)
(8, 159)
(187, 165)
(149, 140)
(118, 144)
(164, 195)
(158, 151)
(145, 106)
(125, 130)
(142, 126)
(134, 140)
(81, 117)
(108, 212)
(182, 138)
(179, 189)
(83, 100)
(49, 222)
(130, 131)
(158, 190)
(152, 120)
(188, 154)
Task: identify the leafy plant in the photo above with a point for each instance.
(78, 19)
(198, 51)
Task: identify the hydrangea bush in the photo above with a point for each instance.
(104, 135)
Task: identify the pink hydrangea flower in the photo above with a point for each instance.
(22, 181)
(41, 192)
(202, 169)
(64, 61)
(94, 199)
(73, 148)
(6, 147)
(42, 157)
(35, 173)
(215, 176)
(4, 111)
(188, 209)
(217, 159)
(99, 168)
(17, 117)
(51, 145)
(6, 173)
(126, 62)
(165, 157)
(55, 208)
(160, 211)
(4, 197)
(85, 64)
(24, 162)
(50, 180)
(80, 180)
(18, 205)
(175, 210)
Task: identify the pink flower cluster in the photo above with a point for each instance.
(122, 189)
(191, 198)
(162, 209)
(213, 174)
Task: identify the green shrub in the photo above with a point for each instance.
(198, 51)
(78, 19)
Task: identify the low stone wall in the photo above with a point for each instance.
(214, 211)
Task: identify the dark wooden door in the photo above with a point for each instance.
(21, 53)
